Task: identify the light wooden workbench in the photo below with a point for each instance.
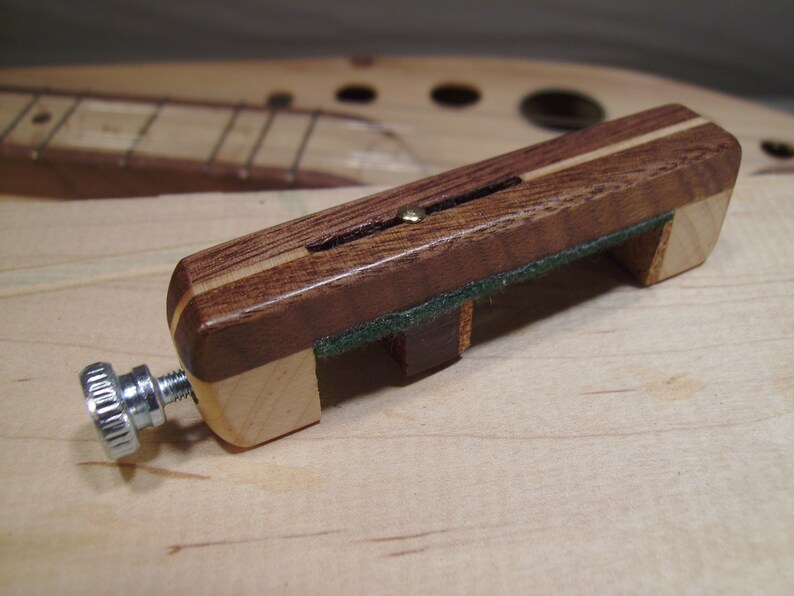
(596, 437)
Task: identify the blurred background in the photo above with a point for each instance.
(739, 47)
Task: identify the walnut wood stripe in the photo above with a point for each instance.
(235, 273)
(268, 315)
(318, 227)
(613, 148)
(434, 342)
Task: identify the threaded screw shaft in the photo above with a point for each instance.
(175, 386)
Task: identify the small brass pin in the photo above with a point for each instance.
(411, 213)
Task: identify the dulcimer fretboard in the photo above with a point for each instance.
(258, 145)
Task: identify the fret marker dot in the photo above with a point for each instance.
(280, 99)
(42, 118)
(356, 93)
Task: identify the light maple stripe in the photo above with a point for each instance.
(612, 149)
(231, 276)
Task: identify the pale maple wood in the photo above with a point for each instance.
(263, 403)
(596, 437)
(681, 244)
(692, 236)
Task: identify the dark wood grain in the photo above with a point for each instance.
(435, 342)
(62, 174)
(369, 211)
(262, 317)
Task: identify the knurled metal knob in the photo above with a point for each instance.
(121, 405)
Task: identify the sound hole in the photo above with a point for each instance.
(454, 95)
(42, 118)
(778, 149)
(356, 94)
(280, 99)
(561, 110)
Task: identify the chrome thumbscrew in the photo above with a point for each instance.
(122, 405)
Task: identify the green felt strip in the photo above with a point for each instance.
(397, 322)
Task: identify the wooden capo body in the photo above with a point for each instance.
(249, 316)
